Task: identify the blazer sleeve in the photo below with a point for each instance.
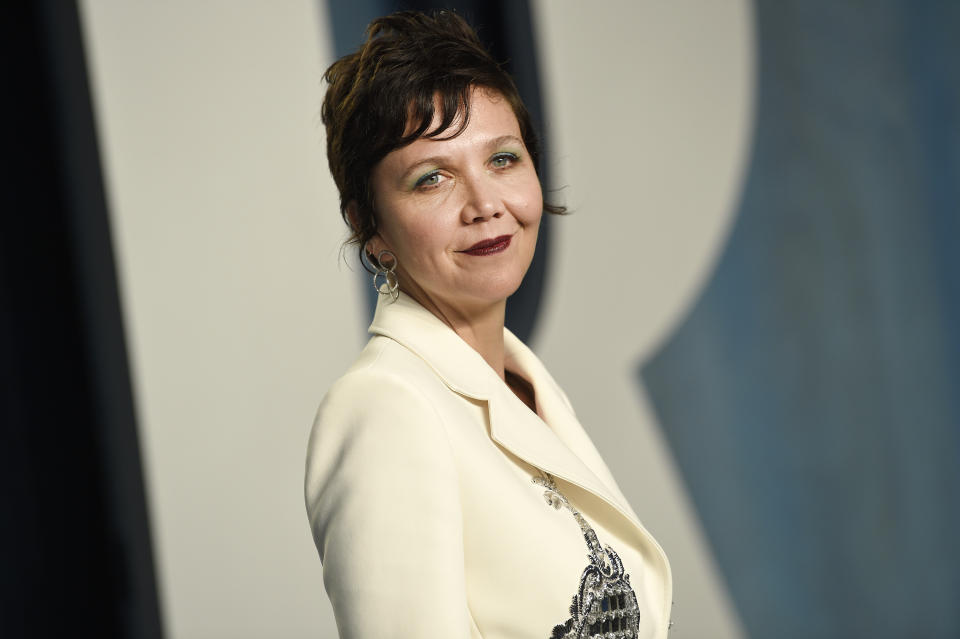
(382, 495)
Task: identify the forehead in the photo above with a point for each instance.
(490, 116)
(417, 121)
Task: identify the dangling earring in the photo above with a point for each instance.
(390, 285)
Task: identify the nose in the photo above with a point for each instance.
(483, 200)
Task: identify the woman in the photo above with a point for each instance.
(429, 461)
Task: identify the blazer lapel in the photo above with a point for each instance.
(564, 427)
(551, 448)
(528, 437)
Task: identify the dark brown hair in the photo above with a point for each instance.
(410, 64)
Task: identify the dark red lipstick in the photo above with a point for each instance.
(489, 247)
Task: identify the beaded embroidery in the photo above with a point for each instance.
(605, 607)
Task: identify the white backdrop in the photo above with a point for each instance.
(239, 315)
(649, 110)
(227, 236)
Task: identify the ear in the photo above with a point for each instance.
(376, 244)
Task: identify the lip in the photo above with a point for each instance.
(490, 246)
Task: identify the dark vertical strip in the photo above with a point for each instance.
(506, 28)
(108, 365)
(930, 49)
(77, 540)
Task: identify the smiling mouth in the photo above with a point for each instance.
(489, 247)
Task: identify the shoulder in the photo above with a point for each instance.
(386, 385)
(383, 398)
(382, 495)
(376, 426)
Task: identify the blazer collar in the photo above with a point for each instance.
(551, 448)
(458, 365)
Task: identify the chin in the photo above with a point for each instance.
(498, 289)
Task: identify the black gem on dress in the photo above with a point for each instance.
(605, 606)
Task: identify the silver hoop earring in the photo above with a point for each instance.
(390, 284)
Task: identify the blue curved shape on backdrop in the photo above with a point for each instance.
(812, 396)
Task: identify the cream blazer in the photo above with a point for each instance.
(420, 496)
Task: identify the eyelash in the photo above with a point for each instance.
(503, 155)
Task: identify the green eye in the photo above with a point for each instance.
(503, 160)
(430, 179)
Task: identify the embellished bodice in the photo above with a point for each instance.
(605, 605)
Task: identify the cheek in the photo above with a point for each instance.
(420, 241)
(533, 204)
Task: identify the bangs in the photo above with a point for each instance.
(440, 113)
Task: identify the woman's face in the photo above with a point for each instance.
(461, 215)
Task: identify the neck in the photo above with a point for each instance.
(480, 326)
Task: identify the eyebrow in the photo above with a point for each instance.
(435, 160)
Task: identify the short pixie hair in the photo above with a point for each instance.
(410, 64)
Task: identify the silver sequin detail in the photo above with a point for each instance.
(605, 606)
